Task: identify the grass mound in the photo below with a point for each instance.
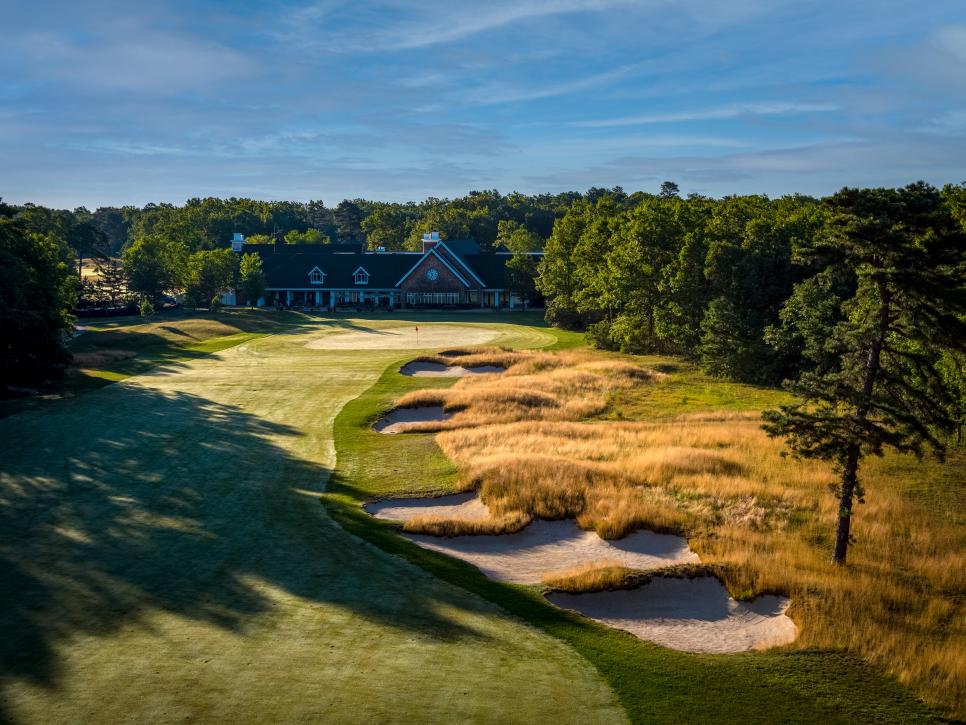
(564, 386)
(764, 521)
(442, 526)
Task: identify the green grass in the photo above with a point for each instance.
(689, 390)
(653, 684)
(164, 557)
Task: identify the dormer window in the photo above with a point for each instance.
(316, 276)
(361, 276)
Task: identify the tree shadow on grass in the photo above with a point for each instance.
(133, 500)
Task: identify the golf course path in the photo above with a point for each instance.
(164, 557)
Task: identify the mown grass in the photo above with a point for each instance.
(164, 558)
(107, 351)
(653, 684)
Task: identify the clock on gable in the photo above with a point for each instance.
(432, 274)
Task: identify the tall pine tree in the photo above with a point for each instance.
(891, 292)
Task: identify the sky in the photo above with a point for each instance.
(110, 103)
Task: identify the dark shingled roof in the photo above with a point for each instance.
(287, 266)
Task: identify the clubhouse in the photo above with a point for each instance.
(455, 274)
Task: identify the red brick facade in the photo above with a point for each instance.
(421, 283)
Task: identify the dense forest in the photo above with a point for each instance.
(209, 223)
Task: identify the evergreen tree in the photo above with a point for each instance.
(111, 281)
(348, 222)
(669, 189)
(875, 379)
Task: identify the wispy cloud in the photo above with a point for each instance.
(719, 113)
(437, 23)
(493, 94)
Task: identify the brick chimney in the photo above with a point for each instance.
(430, 240)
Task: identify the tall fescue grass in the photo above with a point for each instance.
(595, 577)
(763, 520)
(541, 386)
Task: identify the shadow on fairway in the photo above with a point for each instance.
(121, 504)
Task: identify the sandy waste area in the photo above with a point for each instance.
(466, 506)
(693, 615)
(420, 369)
(545, 547)
(395, 420)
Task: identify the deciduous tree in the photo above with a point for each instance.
(154, 266)
(251, 276)
(209, 273)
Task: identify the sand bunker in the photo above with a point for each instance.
(545, 547)
(463, 506)
(421, 369)
(404, 338)
(692, 615)
(394, 421)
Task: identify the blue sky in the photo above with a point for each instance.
(115, 103)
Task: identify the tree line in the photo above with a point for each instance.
(208, 223)
(857, 302)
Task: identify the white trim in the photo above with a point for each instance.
(321, 276)
(460, 260)
(441, 259)
(355, 275)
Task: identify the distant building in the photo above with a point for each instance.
(452, 274)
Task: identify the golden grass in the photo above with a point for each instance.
(598, 576)
(535, 386)
(601, 576)
(763, 520)
(442, 526)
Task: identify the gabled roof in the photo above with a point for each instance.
(288, 266)
(459, 259)
(434, 253)
(463, 247)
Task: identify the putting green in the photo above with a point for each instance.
(164, 557)
(406, 337)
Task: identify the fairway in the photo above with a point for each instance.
(164, 557)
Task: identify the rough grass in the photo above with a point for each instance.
(765, 519)
(654, 684)
(596, 577)
(441, 526)
(535, 386)
(611, 575)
